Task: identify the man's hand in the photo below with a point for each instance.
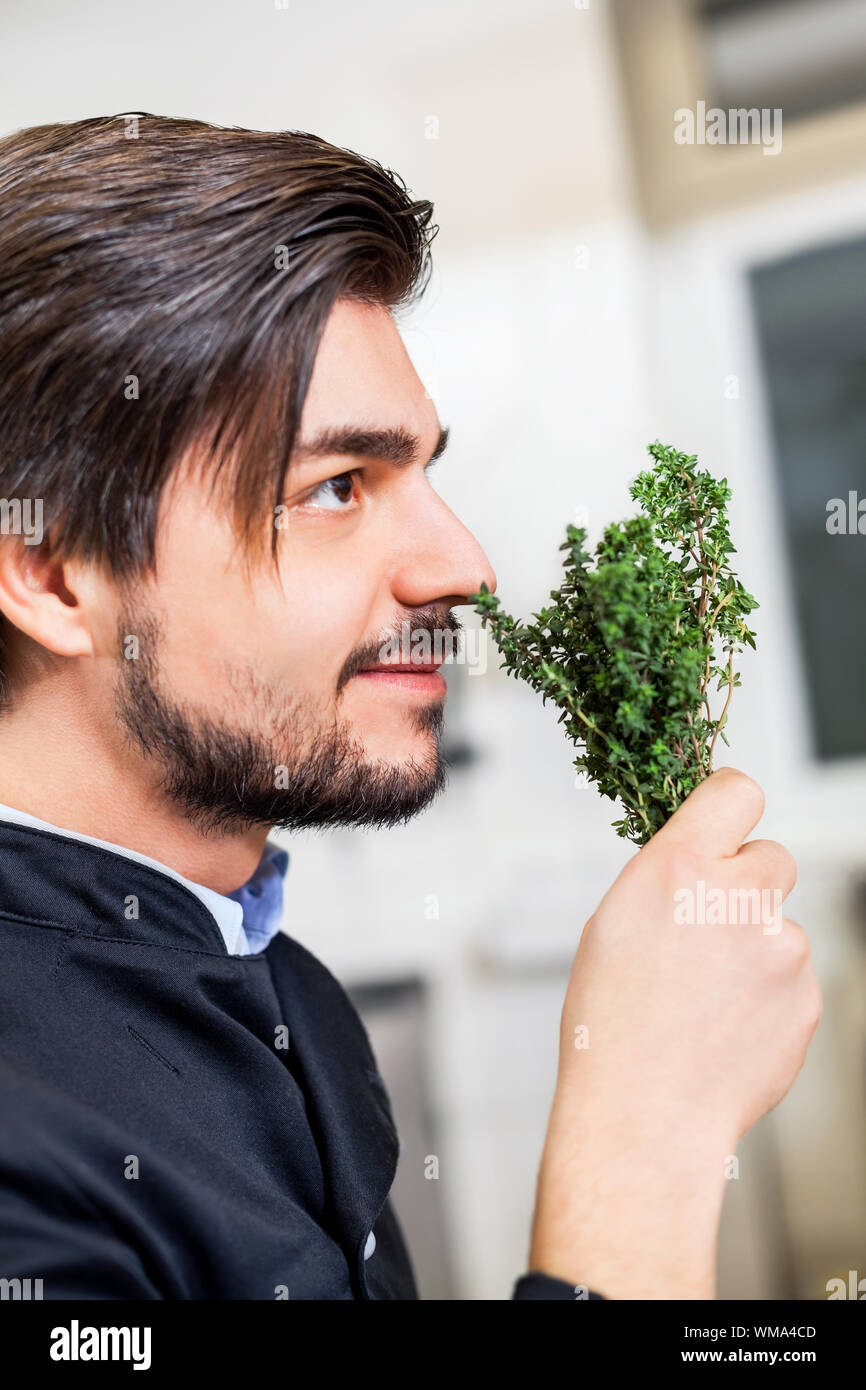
(682, 1025)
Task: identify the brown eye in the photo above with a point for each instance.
(334, 493)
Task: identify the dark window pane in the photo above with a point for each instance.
(811, 320)
(793, 54)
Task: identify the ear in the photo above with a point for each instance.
(46, 597)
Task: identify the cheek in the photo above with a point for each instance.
(297, 637)
(318, 623)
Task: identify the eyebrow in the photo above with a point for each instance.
(393, 445)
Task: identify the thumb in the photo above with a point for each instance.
(716, 817)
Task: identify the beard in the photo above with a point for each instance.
(296, 770)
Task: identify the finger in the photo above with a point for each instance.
(717, 816)
(769, 864)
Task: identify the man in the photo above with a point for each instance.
(217, 450)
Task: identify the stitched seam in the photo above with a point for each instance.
(124, 941)
(32, 921)
(152, 1049)
(164, 946)
(59, 959)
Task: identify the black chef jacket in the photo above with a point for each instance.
(158, 1138)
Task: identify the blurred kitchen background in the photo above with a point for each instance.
(597, 285)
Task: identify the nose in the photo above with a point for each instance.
(437, 558)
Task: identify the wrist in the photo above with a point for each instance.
(629, 1202)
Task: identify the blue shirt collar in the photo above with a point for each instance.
(261, 899)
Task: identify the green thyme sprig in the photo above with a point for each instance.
(633, 639)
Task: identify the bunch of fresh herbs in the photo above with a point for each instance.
(633, 639)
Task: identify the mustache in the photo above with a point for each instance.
(426, 620)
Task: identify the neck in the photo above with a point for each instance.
(66, 763)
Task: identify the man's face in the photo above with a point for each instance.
(249, 690)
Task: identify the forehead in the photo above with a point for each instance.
(363, 374)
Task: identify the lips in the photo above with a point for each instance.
(423, 677)
(422, 667)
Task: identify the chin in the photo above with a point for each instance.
(389, 751)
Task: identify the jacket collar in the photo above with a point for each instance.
(247, 918)
(90, 887)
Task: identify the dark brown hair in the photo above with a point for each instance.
(202, 261)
